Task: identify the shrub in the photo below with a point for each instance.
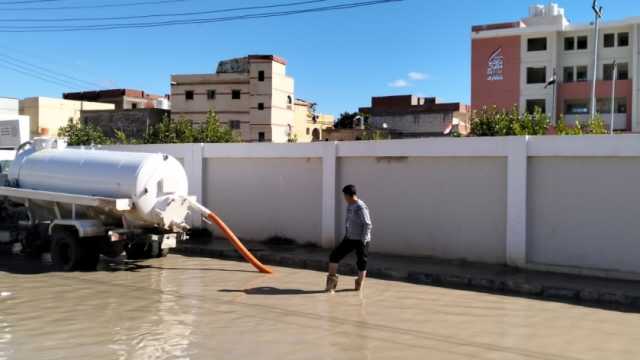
(595, 126)
(83, 135)
(494, 122)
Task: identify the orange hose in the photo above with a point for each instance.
(233, 239)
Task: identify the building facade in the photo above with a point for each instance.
(9, 107)
(123, 99)
(310, 126)
(410, 116)
(253, 95)
(14, 128)
(134, 123)
(48, 115)
(513, 65)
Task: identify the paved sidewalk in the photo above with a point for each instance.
(619, 294)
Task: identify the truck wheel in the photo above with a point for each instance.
(138, 251)
(69, 253)
(91, 256)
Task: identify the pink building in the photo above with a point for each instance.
(512, 63)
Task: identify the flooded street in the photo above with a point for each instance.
(193, 308)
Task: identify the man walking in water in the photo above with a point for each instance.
(357, 238)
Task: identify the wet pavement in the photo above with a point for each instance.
(195, 308)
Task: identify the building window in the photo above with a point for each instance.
(537, 44)
(607, 72)
(583, 42)
(134, 106)
(623, 72)
(623, 39)
(261, 137)
(621, 106)
(189, 95)
(534, 104)
(308, 131)
(234, 124)
(261, 75)
(609, 40)
(536, 75)
(289, 100)
(582, 73)
(236, 94)
(604, 106)
(211, 94)
(260, 106)
(569, 43)
(576, 107)
(568, 74)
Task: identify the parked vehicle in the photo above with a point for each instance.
(79, 204)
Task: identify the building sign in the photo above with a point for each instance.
(496, 66)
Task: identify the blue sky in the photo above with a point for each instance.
(338, 59)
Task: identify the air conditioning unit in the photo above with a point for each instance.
(14, 131)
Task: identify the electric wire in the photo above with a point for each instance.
(32, 75)
(47, 71)
(192, 13)
(117, 26)
(96, 6)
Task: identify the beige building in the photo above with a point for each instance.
(253, 95)
(410, 116)
(50, 114)
(310, 126)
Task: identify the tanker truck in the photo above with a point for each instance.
(78, 204)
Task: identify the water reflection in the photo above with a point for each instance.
(189, 308)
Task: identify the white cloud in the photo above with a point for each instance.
(417, 76)
(400, 83)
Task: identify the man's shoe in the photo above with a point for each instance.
(332, 283)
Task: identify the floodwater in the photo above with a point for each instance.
(192, 308)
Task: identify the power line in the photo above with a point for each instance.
(193, 13)
(116, 26)
(50, 72)
(29, 74)
(42, 74)
(97, 6)
(27, 2)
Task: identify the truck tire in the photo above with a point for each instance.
(138, 251)
(69, 253)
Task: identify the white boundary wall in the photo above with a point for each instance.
(293, 190)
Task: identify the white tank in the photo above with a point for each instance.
(163, 103)
(156, 183)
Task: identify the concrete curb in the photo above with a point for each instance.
(510, 283)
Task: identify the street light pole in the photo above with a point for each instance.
(613, 94)
(597, 9)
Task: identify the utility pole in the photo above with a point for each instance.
(598, 11)
(613, 94)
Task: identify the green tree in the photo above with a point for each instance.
(170, 131)
(373, 134)
(213, 132)
(83, 135)
(493, 122)
(345, 120)
(532, 124)
(595, 126)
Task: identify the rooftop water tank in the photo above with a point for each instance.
(163, 103)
